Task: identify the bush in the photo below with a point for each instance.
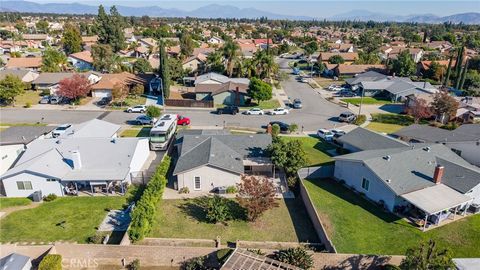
(223, 254)
(96, 239)
(153, 111)
(231, 190)
(275, 130)
(184, 190)
(51, 262)
(197, 263)
(217, 209)
(296, 256)
(390, 118)
(293, 128)
(360, 119)
(391, 267)
(134, 265)
(256, 251)
(28, 105)
(292, 182)
(450, 126)
(49, 197)
(143, 215)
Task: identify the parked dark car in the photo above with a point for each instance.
(55, 99)
(104, 101)
(346, 93)
(284, 127)
(228, 110)
(44, 100)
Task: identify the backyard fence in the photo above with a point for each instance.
(316, 172)
(189, 103)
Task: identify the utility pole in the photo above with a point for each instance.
(361, 102)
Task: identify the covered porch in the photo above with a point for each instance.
(435, 206)
(94, 188)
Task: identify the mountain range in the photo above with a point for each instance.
(228, 11)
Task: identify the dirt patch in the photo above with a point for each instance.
(327, 225)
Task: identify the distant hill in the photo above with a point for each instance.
(228, 11)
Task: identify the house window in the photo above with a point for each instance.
(24, 185)
(197, 183)
(365, 184)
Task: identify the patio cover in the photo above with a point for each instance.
(97, 183)
(436, 198)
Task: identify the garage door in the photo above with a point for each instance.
(102, 93)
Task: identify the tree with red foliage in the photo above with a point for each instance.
(419, 109)
(444, 106)
(74, 87)
(256, 195)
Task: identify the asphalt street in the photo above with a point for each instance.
(316, 112)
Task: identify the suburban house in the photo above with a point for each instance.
(341, 48)
(195, 62)
(67, 166)
(228, 93)
(49, 81)
(440, 45)
(32, 63)
(349, 57)
(94, 128)
(88, 41)
(374, 84)
(468, 110)
(207, 162)
(103, 88)
(352, 70)
(215, 40)
(361, 139)
(391, 52)
(428, 183)
(15, 261)
(424, 66)
(14, 140)
(464, 141)
(26, 75)
(81, 60)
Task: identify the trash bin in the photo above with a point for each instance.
(37, 196)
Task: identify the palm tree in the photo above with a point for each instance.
(231, 53)
(265, 64)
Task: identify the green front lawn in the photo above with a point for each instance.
(391, 118)
(136, 132)
(128, 102)
(185, 219)
(315, 149)
(11, 202)
(359, 227)
(366, 101)
(384, 128)
(70, 219)
(29, 96)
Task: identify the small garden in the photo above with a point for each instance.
(357, 226)
(136, 132)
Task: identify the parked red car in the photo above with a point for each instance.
(183, 121)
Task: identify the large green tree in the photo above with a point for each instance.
(288, 155)
(186, 45)
(404, 65)
(142, 66)
(42, 26)
(427, 257)
(110, 28)
(472, 83)
(369, 41)
(215, 62)
(444, 106)
(336, 59)
(259, 90)
(71, 39)
(10, 87)
(163, 69)
(231, 52)
(367, 58)
(53, 61)
(310, 48)
(102, 55)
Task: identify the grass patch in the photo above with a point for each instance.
(128, 102)
(70, 219)
(185, 219)
(30, 96)
(391, 118)
(366, 101)
(357, 226)
(315, 148)
(136, 132)
(384, 128)
(11, 202)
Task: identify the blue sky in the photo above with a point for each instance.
(313, 8)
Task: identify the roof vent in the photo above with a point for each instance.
(388, 180)
(427, 148)
(113, 140)
(58, 142)
(387, 158)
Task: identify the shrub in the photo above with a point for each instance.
(51, 262)
(134, 265)
(96, 239)
(184, 190)
(296, 256)
(197, 263)
(256, 251)
(360, 119)
(231, 190)
(450, 126)
(275, 130)
(28, 105)
(153, 111)
(292, 181)
(217, 209)
(223, 254)
(49, 197)
(293, 128)
(143, 214)
(391, 267)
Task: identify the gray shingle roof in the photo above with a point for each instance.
(424, 133)
(91, 128)
(20, 73)
(222, 151)
(365, 139)
(366, 76)
(13, 261)
(219, 78)
(409, 169)
(23, 134)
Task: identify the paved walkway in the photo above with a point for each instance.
(116, 220)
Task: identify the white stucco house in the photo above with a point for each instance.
(211, 160)
(67, 166)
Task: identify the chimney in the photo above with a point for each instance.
(76, 159)
(437, 175)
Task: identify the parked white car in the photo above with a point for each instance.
(254, 111)
(278, 111)
(305, 80)
(137, 109)
(145, 120)
(337, 131)
(334, 87)
(325, 134)
(60, 130)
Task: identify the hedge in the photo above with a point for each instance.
(362, 118)
(51, 262)
(143, 215)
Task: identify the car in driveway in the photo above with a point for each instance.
(284, 127)
(297, 103)
(337, 133)
(145, 120)
(254, 111)
(278, 111)
(228, 110)
(347, 117)
(325, 134)
(104, 101)
(44, 100)
(137, 109)
(183, 121)
(55, 99)
(60, 130)
(334, 87)
(346, 93)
